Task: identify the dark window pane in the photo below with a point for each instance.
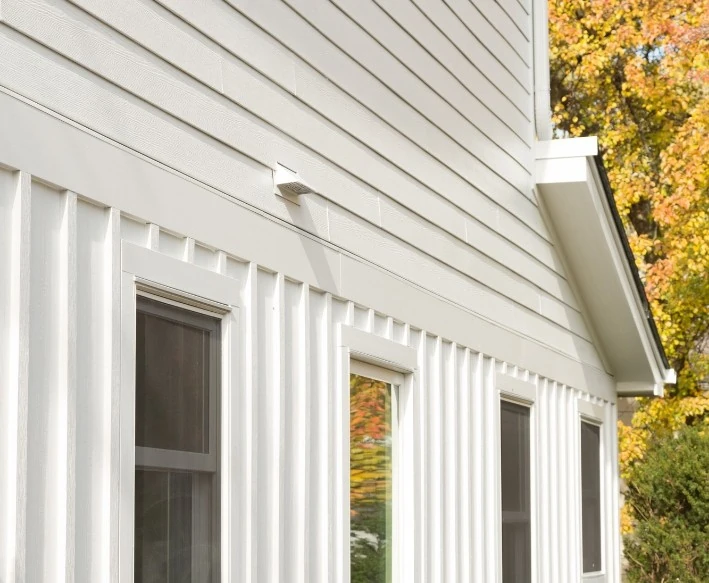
(370, 480)
(591, 496)
(173, 527)
(172, 378)
(177, 397)
(515, 469)
(151, 520)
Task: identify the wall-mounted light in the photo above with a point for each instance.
(288, 184)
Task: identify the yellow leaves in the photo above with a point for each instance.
(637, 75)
(655, 418)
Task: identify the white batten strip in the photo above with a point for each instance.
(422, 457)
(406, 480)
(477, 444)
(249, 532)
(188, 249)
(491, 470)
(555, 517)
(112, 359)
(301, 432)
(221, 263)
(278, 447)
(327, 449)
(340, 459)
(152, 233)
(450, 506)
(18, 380)
(566, 461)
(370, 320)
(389, 328)
(66, 412)
(464, 490)
(435, 468)
(543, 475)
(316, 489)
(610, 483)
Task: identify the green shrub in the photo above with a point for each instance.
(669, 495)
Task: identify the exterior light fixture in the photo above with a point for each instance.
(288, 184)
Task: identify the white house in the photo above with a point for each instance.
(302, 291)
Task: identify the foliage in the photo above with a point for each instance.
(370, 479)
(670, 499)
(636, 74)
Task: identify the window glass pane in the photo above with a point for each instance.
(370, 480)
(177, 397)
(591, 496)
(515, 478)
(171, 545)
(172, 378)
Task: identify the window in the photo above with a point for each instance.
(591, 496)
(373, 419)
(516, 496)
(176, 524)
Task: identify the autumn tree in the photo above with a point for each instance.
(635, 73)
(370, 479)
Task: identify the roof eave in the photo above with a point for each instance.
(577, 197)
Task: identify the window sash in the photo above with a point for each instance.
(209, 322)
(194, 463)
(510, 517)
(591, 500)
(170, 459)
(521, 563)
(394, 380)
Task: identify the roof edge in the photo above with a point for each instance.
(630, 257)
(574, 186)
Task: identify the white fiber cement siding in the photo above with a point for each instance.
(157, 125)
(411, 120)
(62, 458)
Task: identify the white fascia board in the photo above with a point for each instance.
(571, 148)
(573, 194)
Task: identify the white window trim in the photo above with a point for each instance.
(587, 412)
(397, 364)
(519, 392)
(147, 272)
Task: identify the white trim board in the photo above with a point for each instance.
(177, 279)
(367, 351)
(310, 260)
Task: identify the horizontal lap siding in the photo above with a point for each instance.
(413, 122)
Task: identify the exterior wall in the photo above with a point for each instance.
(156, 125)
(61, 271)
(412, 120)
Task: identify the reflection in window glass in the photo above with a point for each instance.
(516, 497)
(591, 496)
(370, 480)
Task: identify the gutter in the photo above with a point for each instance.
(545, 133)
(640, 287)
(542, 85)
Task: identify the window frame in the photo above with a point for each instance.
(176, 459)
(366, 353)
(152, 274)
(592, 414)
(523, 393)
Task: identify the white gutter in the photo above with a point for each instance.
(542, 92)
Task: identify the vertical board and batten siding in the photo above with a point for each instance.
(411, 120)
(59, 255)
(159, 123)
